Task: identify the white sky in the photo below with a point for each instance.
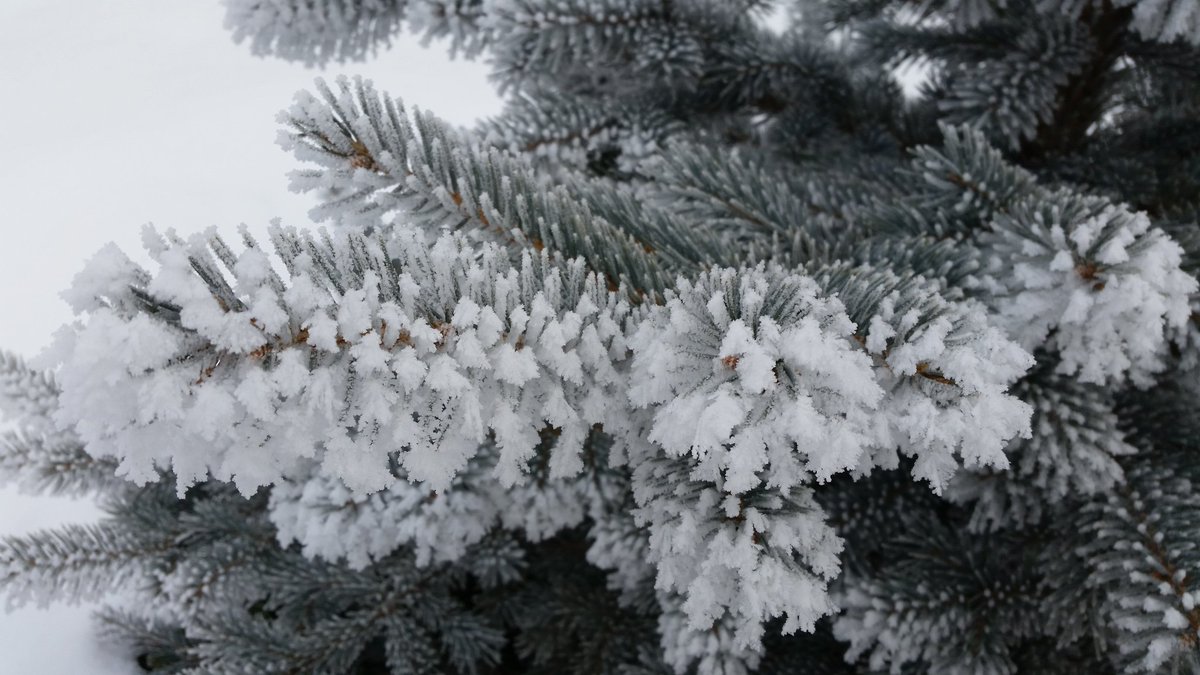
(123, 112)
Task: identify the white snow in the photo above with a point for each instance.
(1097, 282)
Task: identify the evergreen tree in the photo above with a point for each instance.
(713, 353)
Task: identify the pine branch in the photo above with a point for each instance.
(76, 562)
(52, 463)
(315, 31)
(26, 394)
(748, 201)
(380, 159)
(158, 647)
(585, 134)
(520, 335)
(1138, 545)
(1081, 101)
(943, 603)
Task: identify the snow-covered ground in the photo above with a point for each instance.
(124, 112)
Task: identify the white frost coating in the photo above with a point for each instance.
(26, 394)
(1096, 283)
(755, 388)
(713, 651)
(758, 385)
(889, 636)
(947, 381)
(365, 380)
(349, 369)
(756, 398)
(621, 547)
(109, 350)
(105, 279)
(331, 522)
(743, 561)
(314, 32)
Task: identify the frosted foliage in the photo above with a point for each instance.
(712, 651)
(25, 393)
(659, 43)
(946, 373)
(377, 165)
(620, 547)
(757, 383)
(398, 391)
(755, 376)
(897, 633)
(1167, 20)
(1187, 338)
(1011, 97)
(749, 559)
(1150, 613)
(1154, 603)
(195, 583)
(314, 31)
(684, 306)
(944, 370)
(942, 601)
(457, 20)
(1094, 282)
(1074, 450)
(765, 381)
(331, 522)
(358, 191)
(354, 359)
(364, 385)
(551, 130)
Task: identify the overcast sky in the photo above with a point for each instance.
(121, 112)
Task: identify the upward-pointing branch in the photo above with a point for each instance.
(376, 159)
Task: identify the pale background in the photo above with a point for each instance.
(122, 112)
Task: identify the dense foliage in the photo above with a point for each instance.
(715, 352)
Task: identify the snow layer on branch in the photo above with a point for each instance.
(754, 374)
(944, 369)
(754, 388)
(757, 383)
(713, 650)
(359, 375)
(1095, 282)
(425, 351)
(738, 560)
(331, 522)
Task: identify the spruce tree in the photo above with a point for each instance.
(714, 353)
